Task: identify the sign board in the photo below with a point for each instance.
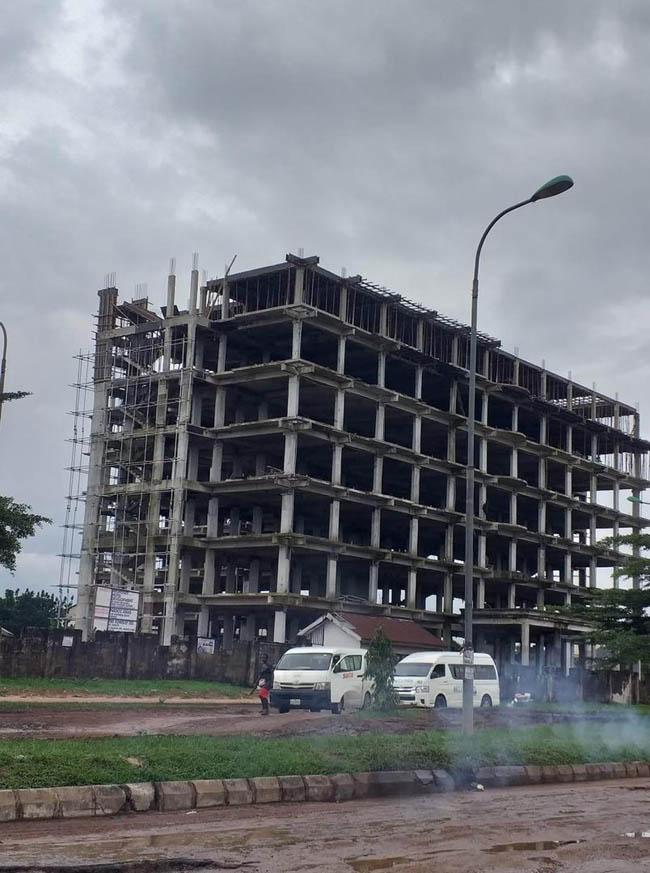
(205, 646)
(67, 642)
(116, 609)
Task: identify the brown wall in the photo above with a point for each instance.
(39, 653)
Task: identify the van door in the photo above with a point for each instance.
(347, 680)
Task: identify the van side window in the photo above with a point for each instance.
(348, 664)
(485, 672)
(438, 672)
(457, 671)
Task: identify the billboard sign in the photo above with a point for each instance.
(116, 609)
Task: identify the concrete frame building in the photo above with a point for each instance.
(294, 443)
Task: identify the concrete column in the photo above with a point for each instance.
(415, 484)
(593, 573)
(513, 508)
(340, 355)
(258, 519)
(512, 595)
(290, 452)
(512, 556)
(568, 569)
(381, 369)
(541, 562)
(451, 444)
(480, 593)
(481, 556)
(279, 626)
(380, 418)
(253, 584)
(450, 502)
(335, 514)
(413, 536)
(373, 581)
(448, 594)
(220, 407)
(295, 585)
(339, 409)
(514, 464)
(213, 518)
(298, 290)
(293, 396)
(515, 418)
(375, 528)
(418, 381)
(449, 543)
(208, 572)
(411, 588)
(378, 475)
(296, 338)
(203, 626)
(568, 656)
(332, 567)
(284, 569)
(337, 459)
(248, 629)
(525, 644)
(540, 598)
(541, 516)
(416, 442)
(286, 513)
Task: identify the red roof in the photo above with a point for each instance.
(400, 631)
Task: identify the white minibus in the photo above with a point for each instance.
(321, 677)
(435, 679)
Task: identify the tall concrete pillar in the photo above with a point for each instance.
(254, 576)
(279, 626)
(512, 595)
(337, 460)
(378, 475)
(415, 483)
(414, 528)
(380, 419)
(448, 594)
(228, 632)
(541, 601)
(375, 528)
(340, 355)
(296, 338)
(209, 572)
(525, 643)
(203, 627)
(411, 589)
(373, 581)
(450, 501)
(332, 569)
(480, 593)
(284, 569)
(339, 409)
(381, 369)
(416, 439)
(293, 396)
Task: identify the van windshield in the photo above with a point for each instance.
(412, 669)
(304, 661)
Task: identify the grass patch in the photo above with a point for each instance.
(160, 689)
(41, 763)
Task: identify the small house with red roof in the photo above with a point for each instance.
(357, 629)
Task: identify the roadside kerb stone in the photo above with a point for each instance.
(174, 795)
(534, 774)
(620, 771)
(293, 788)
(564, 773)
(486, 776)
(393, 783)
(549, 773)
(630, 769)
(425, 779)
(8, 805)
(642, 768)
(607, 770)
(37, 803)
(266, 789)
(76, 801)
(343, 786)
(444, 781)
(579, 772)
(510, 775)
(238, 792)
(319, 788)
(593, 772)
(109, 799)
(209, 792)
(141, 796)
(363, 785)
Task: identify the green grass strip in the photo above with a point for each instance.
(42, 763)
(157, 688)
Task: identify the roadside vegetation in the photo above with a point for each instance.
(42, 763)
(144, 688)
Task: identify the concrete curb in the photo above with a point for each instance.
(99, 800)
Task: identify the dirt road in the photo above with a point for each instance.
(578, 828)
(59, 722)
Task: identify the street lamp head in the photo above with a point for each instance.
(558, 185)
(635, 500)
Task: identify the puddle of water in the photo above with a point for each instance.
(367, 865)
(638, 835)
(537, 846)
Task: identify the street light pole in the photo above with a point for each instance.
(550, 189)
(3, 366)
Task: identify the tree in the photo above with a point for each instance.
(380, 664)
(621, 617)
(29, 609)
(16, 522)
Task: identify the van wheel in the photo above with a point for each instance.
(441, 702)
(367, 700)
(284, 707)
(486, 701)
(337, 708)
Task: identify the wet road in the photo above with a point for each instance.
(585, 828)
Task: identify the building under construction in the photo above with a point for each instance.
(292, 442)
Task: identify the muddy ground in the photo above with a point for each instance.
(576, 828)
(118, 720)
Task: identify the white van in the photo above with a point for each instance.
(435, 679)
(321, 677)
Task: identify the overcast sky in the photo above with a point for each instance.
(379, 135)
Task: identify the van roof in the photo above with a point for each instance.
(432, 657)
(326, 650)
